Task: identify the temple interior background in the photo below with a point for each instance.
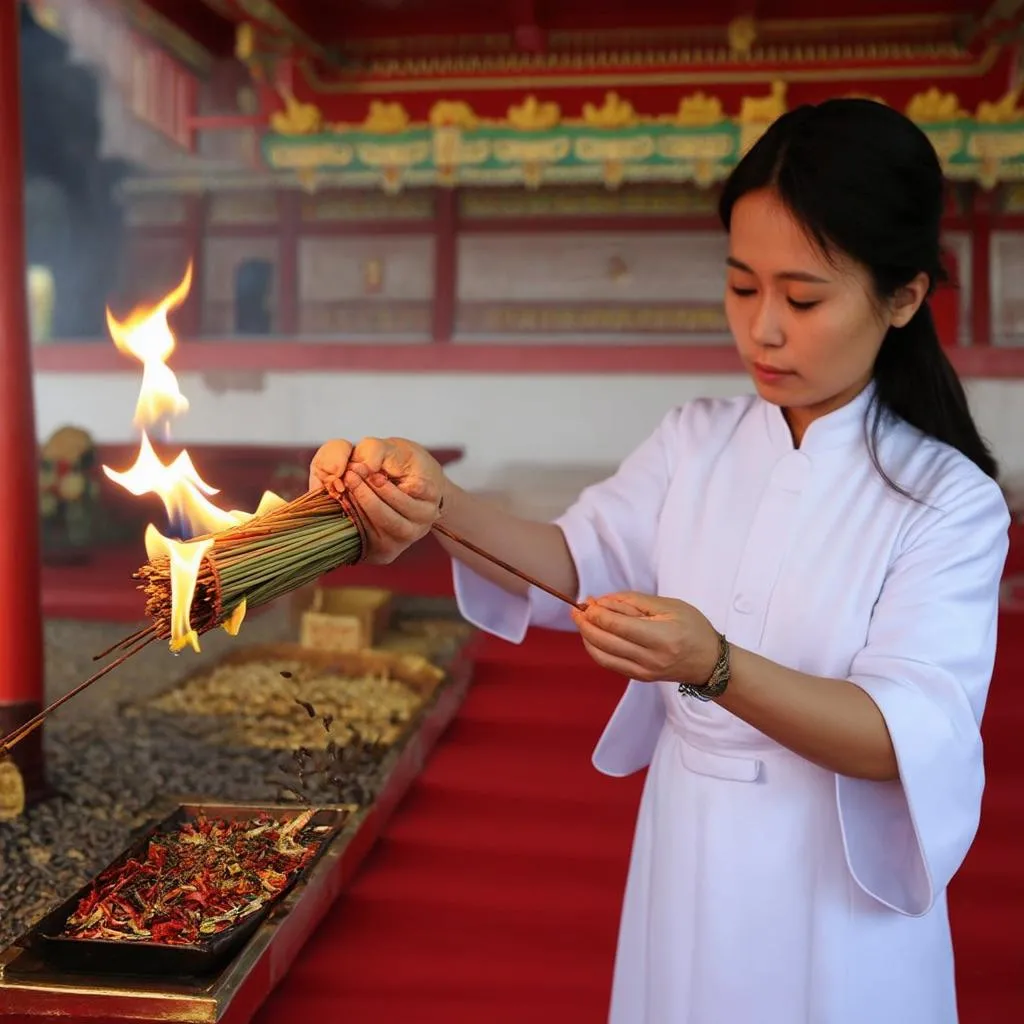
(491, 228)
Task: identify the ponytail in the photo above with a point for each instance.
(915, 380)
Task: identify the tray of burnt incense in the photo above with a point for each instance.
(188, 893)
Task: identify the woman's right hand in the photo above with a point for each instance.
(396, 486)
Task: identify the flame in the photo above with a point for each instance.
(180, 487)
(147, 336)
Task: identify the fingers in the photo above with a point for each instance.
(628, 623)
(389, 532)
(408, 465)
(617, 604)
(631, 603)
(329, 463)
(613, 644)
(418, 510)
(623, 666)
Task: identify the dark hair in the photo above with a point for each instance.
(865, 181)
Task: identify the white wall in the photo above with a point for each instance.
(501, 420)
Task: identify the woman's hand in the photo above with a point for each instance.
(652, 639)
(395, 485)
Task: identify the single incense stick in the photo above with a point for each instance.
(126, 641)
(525, 577)
(14, 738)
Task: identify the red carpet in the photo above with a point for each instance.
(494, 895)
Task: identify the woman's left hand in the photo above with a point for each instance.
(652, 639)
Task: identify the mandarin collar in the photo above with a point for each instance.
(839, 428)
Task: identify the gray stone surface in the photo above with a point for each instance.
(115, 765)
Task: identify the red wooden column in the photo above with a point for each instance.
(21, 653)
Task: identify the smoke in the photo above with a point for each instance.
(73, 222)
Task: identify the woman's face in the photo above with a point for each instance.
(808, 329)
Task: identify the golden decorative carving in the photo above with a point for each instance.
(742, 34)
(1002, 111)
(391, 180)
(613, 173)
(699, 110)
(933, 106)
(12, 791)
(532, 151)
(533, 174)
(245, 42)
(453, 114)
(532, 115)
(697, 147)
(386, 118)
(308, 179)
(393, 154)
(296, 118)
(373, 276)
(614, 113)
(764, 109)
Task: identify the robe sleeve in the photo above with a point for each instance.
(927, 665)
(611, 532)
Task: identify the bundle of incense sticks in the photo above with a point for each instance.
(262, 559)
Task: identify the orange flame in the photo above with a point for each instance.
(147, 336)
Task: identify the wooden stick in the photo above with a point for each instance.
(525, 577)
(13, 739)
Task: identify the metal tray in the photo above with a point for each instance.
(110, 956)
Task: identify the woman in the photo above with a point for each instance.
(802, 587)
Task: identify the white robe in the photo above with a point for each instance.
(763, 889)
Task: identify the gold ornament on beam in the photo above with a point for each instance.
(308, 179)
(258, 61)
(934, 106)
(532, 115)
(386, 118)
(764, 109)
(699, 111)
(614, 113)
(742, 34)
(373, 276)
(453, 114)
(391, 180)
(245, 42)
(12, 791)
(1002, 111)
(533, 174)
(296, 118)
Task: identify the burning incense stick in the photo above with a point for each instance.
(23, 731)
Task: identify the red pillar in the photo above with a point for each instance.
(21, 651)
